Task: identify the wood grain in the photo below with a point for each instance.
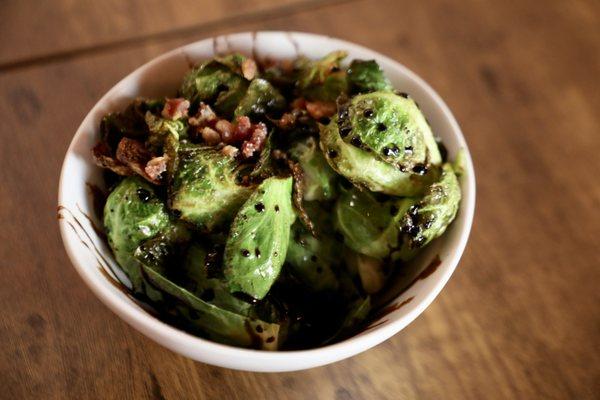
(519, 318)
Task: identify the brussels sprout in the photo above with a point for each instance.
(322, 79)
(215, 81)
(132, 214)
(309, 258)
(429, 218)
(391, 127)
(204, 188)
(259, 237)
(260, 99)
(319, 178)
(369, 226)
(161, 128)
(366, 76)
(216, 323)
(366, 170)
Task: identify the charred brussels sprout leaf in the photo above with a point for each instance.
(369, 226)
(366, 76)
(133, 214)
(261, 99)
(392, 128)
(259, 237)
(311, 259)
(430, 217)
(216, 83)
(365, 170)
(204, 187)
(216, 323)
(128, 123)
(357, 312)
(319, 178)
(322, 79)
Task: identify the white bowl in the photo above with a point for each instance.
(161, 76)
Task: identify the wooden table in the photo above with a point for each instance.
(519, 319)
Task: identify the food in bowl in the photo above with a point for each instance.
(267, 204)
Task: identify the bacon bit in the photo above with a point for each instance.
(243, 129)
(320, 109)
(249, 69)
(204, 117)
(230, 151)
(175, 108)
(298, 104)
(210, 136)
(103, 159)
(156, 166)
(133, 154)
(256, 141)
(287, 120)
(225, 128)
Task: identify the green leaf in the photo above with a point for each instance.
(310, 258)
(366, 76)
(322, 79)
(216, 323)
(319, 178)
(204, 187)
(261, 99)
(132, 214)
(259, 237)
(369, 226)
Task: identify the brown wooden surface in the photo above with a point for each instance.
(520, 318)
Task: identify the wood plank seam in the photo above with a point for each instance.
(258, 16)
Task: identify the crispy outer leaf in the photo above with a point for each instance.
(369, 226)
(259, 237)
(366, 76)
(204, 187)
(132, 214)
(310, 258)
(260, 99)
(216, 323)
(319, 178)
(216, 83)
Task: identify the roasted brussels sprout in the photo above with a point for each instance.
(429, 218)
(381, 141)
(132, 214)
(205, 191)
(215, 81)
(324, 79)
(366, 76)
(258, 240)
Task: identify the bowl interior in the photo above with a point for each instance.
(411, 293)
